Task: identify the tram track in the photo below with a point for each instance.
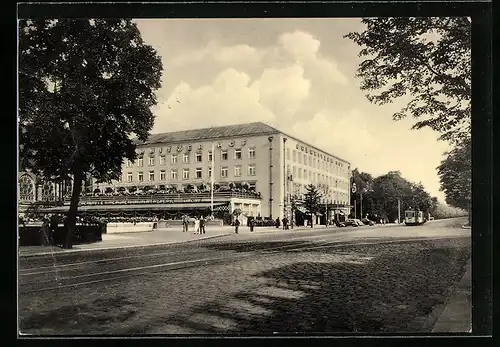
(61, 278)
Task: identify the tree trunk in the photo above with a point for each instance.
(73, 208)
(469, 213)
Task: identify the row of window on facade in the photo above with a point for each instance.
(198, 172)
(198, 157)
(315, 177)
(308, 159)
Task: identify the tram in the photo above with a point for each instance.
(414, 217)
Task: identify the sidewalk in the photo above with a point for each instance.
(457, 313)
(163, 237)
(129, 240)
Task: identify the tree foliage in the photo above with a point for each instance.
(427, 60)
(312, 199)
(455, 176)
(85, 89)
(381, 199)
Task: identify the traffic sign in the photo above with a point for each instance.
(353, 189)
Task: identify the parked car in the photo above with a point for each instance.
(366, 221)
(351, 223)
(340, 224)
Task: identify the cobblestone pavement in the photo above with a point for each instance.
(306, 285)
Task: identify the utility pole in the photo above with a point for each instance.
(361, 204)
(284, 177)
(270, 138)
(399, 210)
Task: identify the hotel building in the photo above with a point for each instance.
(276, 165)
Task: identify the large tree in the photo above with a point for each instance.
(390, 188)
(455, 176)
(85, 89)
(428, 61)
(312, 200)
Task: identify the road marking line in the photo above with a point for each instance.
(96, 261)
(140, 268)
(83, 263)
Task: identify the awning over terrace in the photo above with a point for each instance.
(138, 207)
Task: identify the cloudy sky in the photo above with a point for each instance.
(294, 74)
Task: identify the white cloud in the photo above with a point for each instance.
(334, 132)
(305, 50)
(229, 100)
(241, 53)
(283, 90)
(300, 44)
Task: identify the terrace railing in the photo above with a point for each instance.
(162, 198)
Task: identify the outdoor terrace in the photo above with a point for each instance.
(166, 198)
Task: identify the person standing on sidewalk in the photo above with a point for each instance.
(44, 234)
(278, 223)
(197, 225)
(236, 225)
(251, 224)
(54, 222)
(202, 225)
(185, 223)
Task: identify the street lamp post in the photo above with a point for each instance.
(399, 210)
(337, 199)
(292, 203)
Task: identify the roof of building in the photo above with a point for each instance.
(255, 128)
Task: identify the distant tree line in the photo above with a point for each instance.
(378, 197)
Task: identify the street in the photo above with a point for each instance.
(332, 280)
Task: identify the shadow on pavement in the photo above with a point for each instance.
(394, 292)
(82, 318)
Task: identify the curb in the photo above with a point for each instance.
(432, 319)
(72, 251)
(445, 321)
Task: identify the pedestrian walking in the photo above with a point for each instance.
(236, 225)
(251, 224)
(53, 228)
(44, 235)
(285, 223)
(202, 225)
(278, 223)
(185, 223)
